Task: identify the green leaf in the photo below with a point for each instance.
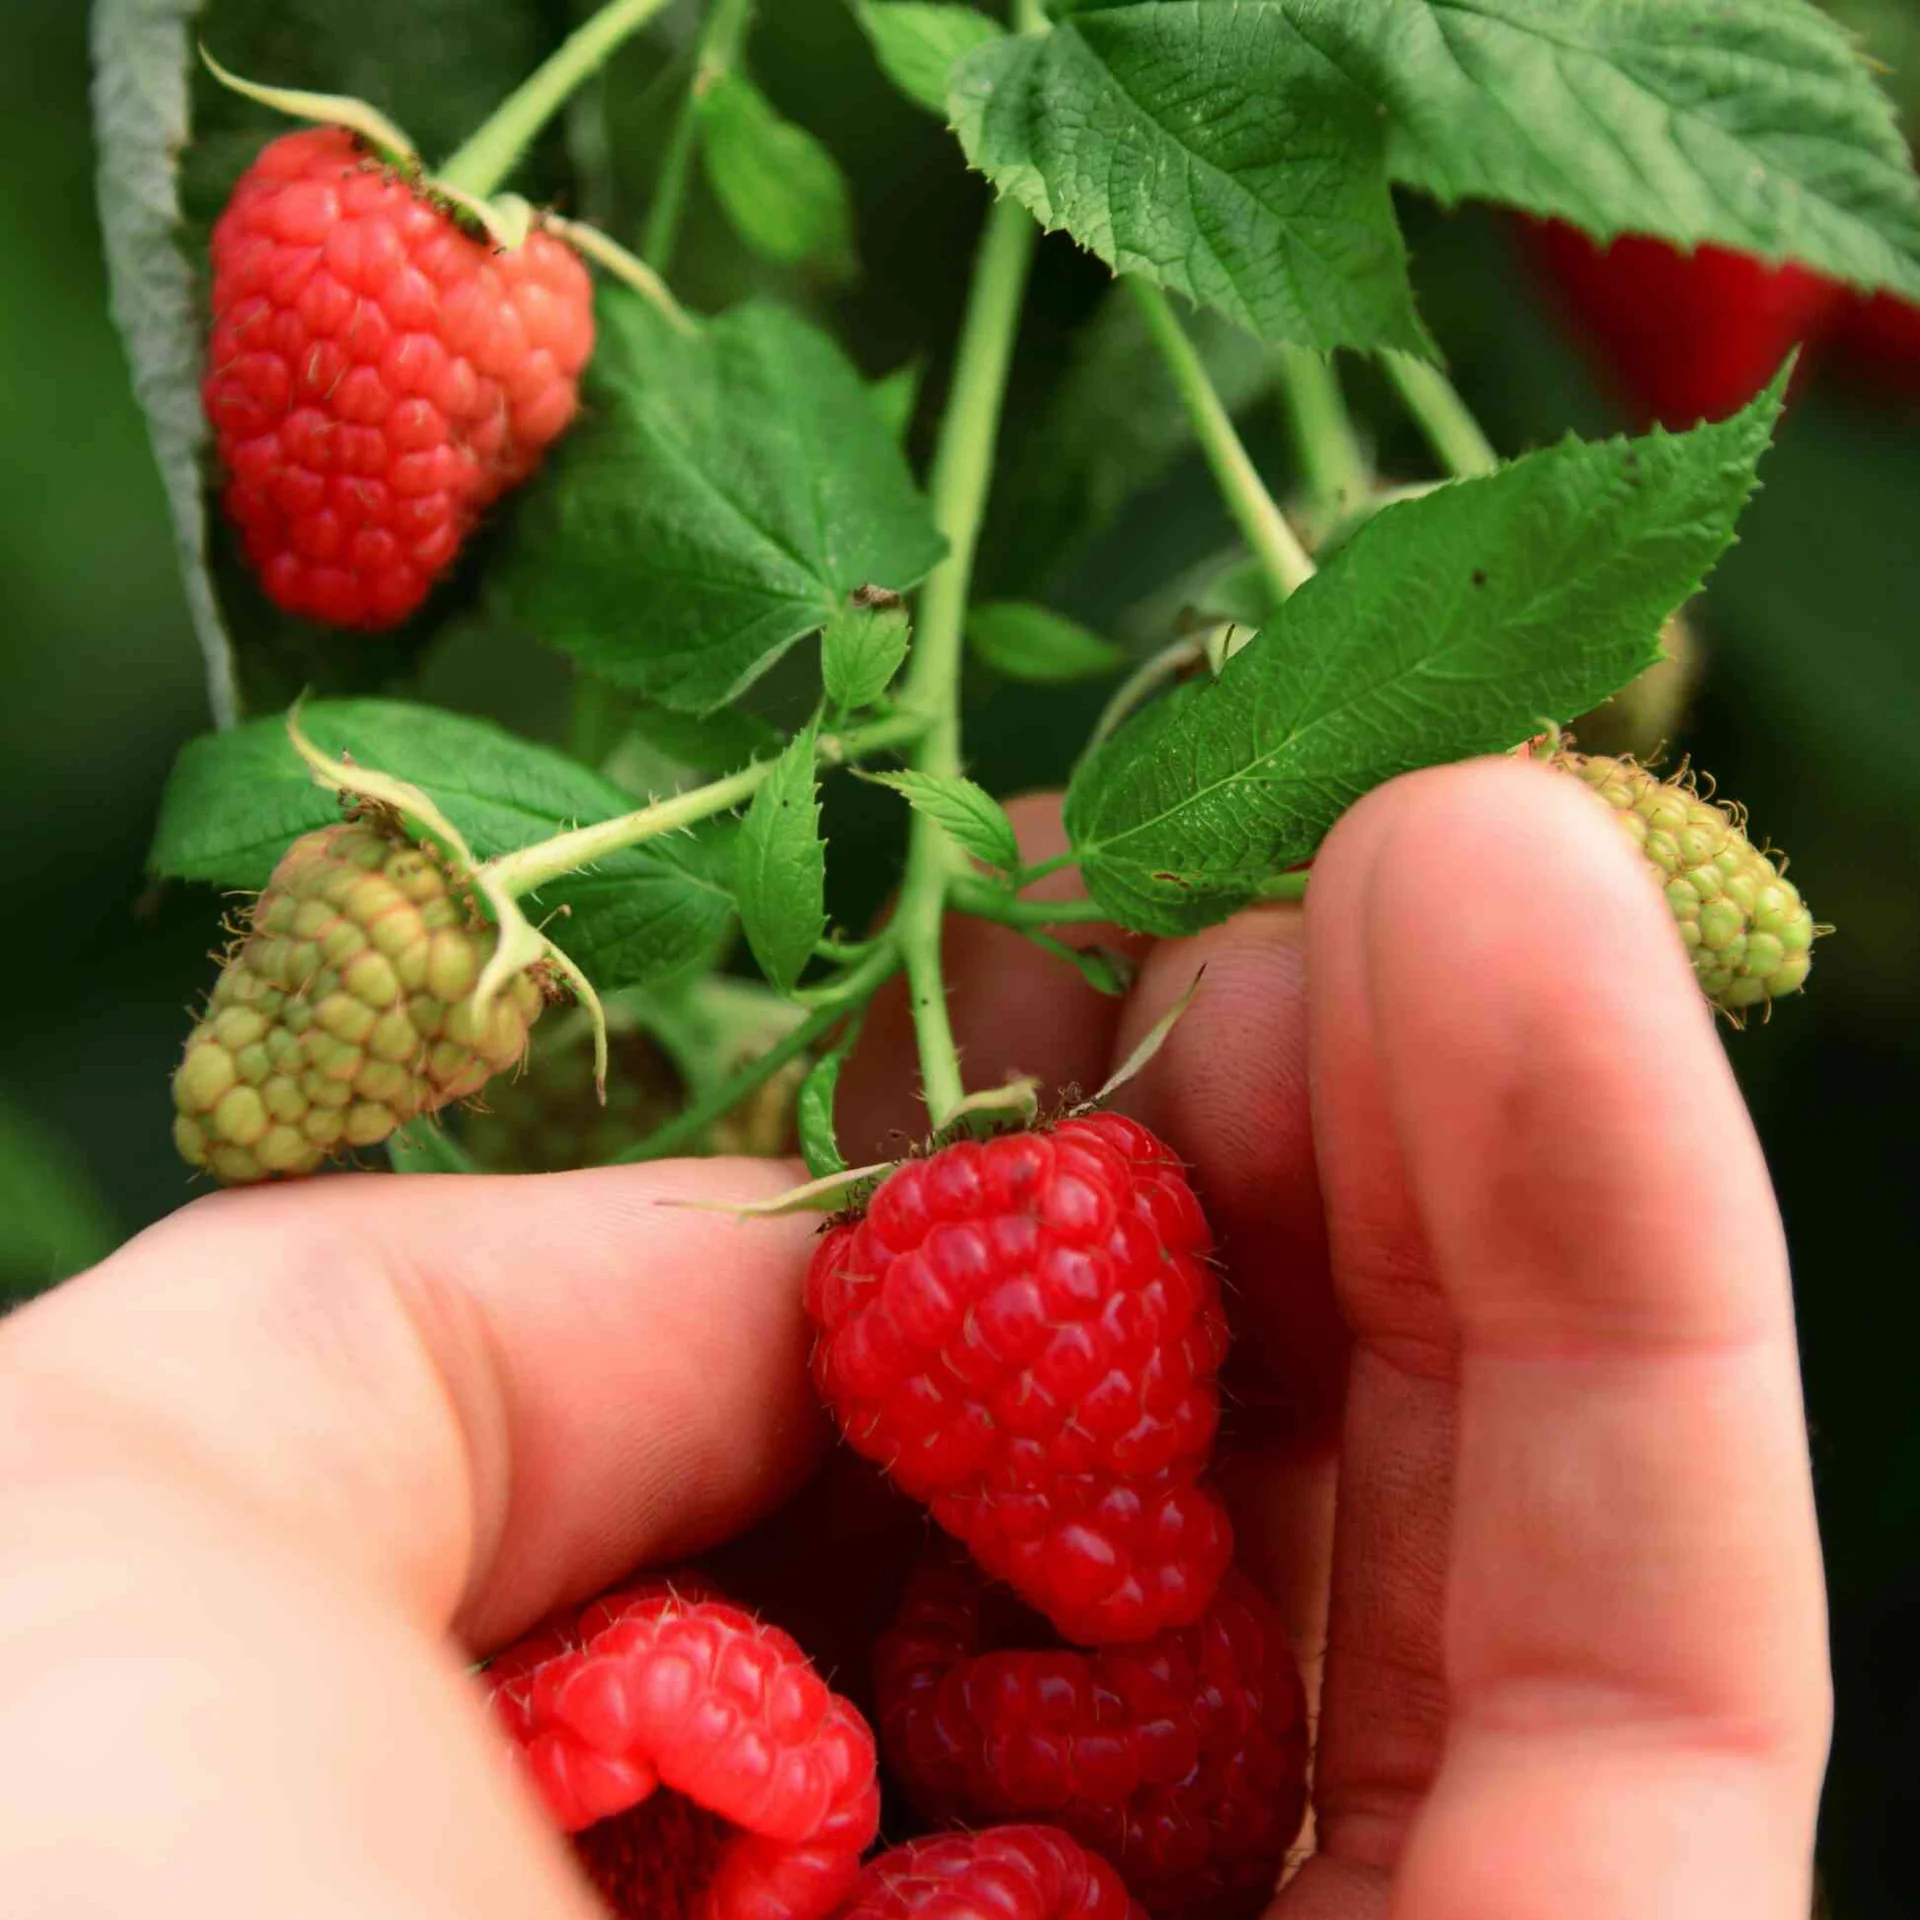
(819, 1138)
(1026, 642)
(967, 813)
(236, 800)
(1450, 625)
(897, 394)
(1210, 147)
(721, 498)
(782, 190)
(1753, 124)
(780, 866)
(142, 61)
(918, 44)
(861, 650)
(53, 1218)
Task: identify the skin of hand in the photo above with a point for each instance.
(1529, 1462)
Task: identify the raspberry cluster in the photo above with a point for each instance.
(1025, 1332)
(377, 375)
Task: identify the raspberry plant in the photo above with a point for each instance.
(757, 585)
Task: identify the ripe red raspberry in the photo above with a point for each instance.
(1692, 336)
(1024, 1332)
(704, 1766)
(376, 375)
(1182, 1761)
(1005, 1873)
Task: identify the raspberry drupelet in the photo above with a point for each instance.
(1182, 1761)
(1005, 1873)
(704, 1768)
(377, 376)
(1025, 1332)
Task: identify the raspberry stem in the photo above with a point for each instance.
(962, 470)
(1275, 544)
(1338, 474)
(1443, 417)
(721, 36)
(484, 162)
(529, 868)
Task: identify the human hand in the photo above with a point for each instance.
(1502, 1260)
(284, 1464)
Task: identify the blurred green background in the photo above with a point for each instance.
(1811, 714)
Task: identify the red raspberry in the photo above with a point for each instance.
(1692, 336)
(1182, 1761)
(1024, 1332)
(376, 376)
(1005, 1873)
(708, 1771)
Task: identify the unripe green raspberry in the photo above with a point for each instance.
(1747, 930)
(344, 1010)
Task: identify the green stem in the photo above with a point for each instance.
(492, 153)
(1041, 868)
(721, 36)
(686, 1128)
(987, 902)
(962, 471)
(1334, 464)
(1275, 544)
(530, 868)
(1443, 417)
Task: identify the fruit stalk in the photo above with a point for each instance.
(530, 868)
(721, 35)
(1275, 544)
(962, 470)
(484, 162)
(1443, 417)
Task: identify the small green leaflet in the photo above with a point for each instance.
(1026, 642)
(896, 394)
(861, 650)
(782, 190)
(819, 1139)
(917, 44)
(1449, 626)
(720, 498)
(780, 866)
(967, 813)
(236, 800)
(1214, 149)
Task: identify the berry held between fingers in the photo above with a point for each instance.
(1746, 929)
(1181, 1761)
(1005, 1873)
(344, 1010)
(376, 376)
(703, 1767)
(1024, 1332)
